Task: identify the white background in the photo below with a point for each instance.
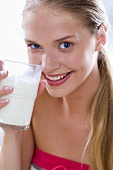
(12, 45)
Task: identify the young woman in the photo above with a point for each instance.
(72, 123)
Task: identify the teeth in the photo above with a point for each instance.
(56, 78)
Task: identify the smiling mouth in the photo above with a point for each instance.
(57, 78)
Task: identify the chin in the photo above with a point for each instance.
(59, 93)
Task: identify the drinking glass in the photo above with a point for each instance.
(24, 78)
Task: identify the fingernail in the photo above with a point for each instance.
(3, 101)
(3, 73)
(7, 88)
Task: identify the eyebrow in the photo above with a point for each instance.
(61, 39)
(64, 38)
(29, 41)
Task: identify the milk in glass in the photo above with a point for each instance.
(18, 112)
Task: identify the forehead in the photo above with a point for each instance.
(50, 15)
(48, 22)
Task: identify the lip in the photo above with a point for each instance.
(57, 82)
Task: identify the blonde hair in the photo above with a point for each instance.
(101, 138)
(92, 14)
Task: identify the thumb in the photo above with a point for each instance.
(41, 87)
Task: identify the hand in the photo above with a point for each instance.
(4, 89)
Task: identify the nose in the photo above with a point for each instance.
(50, 62)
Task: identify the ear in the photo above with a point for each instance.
(101, 38)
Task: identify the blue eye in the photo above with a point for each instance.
(65, 45)
(35, 46)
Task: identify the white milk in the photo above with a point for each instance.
(18, 111)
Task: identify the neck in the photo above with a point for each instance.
(79, 101)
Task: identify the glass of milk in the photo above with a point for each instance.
(24, 78)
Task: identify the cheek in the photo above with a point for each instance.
(81, 63)
(33, 58)
(73, 61)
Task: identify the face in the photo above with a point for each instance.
(66, 49)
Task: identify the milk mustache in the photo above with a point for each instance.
(18, 112)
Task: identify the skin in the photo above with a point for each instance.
(60, 122)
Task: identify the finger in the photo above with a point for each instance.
(3, 74)
(42, 85)
(3, 102)
(0, 63)
(5, 90)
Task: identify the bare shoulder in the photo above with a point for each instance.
(44, 108)
(42, 101)
(27, 149)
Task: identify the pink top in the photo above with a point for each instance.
(51, 162)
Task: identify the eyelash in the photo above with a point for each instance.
(36, 46)
(68, 44)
